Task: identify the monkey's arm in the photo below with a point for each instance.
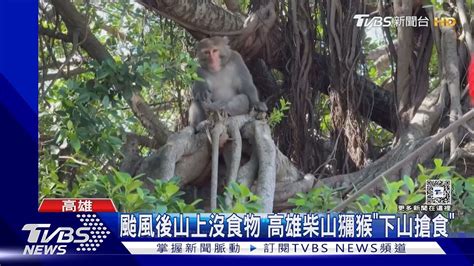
(196, 114)
(200, 89)
(200, 93)
(247, 86)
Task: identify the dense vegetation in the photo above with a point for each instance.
(88, 110)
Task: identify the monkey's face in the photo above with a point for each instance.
(213, 53)
(212, 56)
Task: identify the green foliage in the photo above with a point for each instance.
(83, 119)
(438, 4)
(244, 5)
(168, 197)
(243, 200)
(124, 190)
(325, 115)
(407, 191)
(463, 202)
(413, 192)
(378, 78)
(387, 203)
(319, 199)
(379, 136)
(278, 113)
(129, 195)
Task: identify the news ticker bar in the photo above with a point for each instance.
(284, 248)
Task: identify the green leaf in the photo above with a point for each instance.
(194, 203)
(421, 169)
(441, 170)
(161, 208)
(414, 198)
(102, 73)
(254, 197)
(235, 187)
(300, 195)
(75, 143)
(106, 101)
(422, 179)
(469, 185)
(409, 183)
(438, 162)
(134, 185)
(132, 197)
(373, 202)
(123, 177)
(391, 207)
(245, 191)
(393, 187)
(299, 202)
(140, 193)
(238, 208)
(171, 189)
(114, 140)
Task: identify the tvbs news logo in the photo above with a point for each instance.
(43, 239)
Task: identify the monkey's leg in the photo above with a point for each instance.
(216, 133)
(238, 105)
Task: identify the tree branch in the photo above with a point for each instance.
(407, 160)
(76, 22)
(465, 24)
(209, 19)
(54, 34)
(201, 16)
(63, 74)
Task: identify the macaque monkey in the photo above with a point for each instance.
(226, 83)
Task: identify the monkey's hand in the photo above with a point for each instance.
(260, 106)
(203, 125)
(213, 106)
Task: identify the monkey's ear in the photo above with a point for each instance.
(225, 39)
(201, 43)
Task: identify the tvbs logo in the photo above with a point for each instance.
(444, 22)
(44, 241)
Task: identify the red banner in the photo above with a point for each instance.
(77, 205)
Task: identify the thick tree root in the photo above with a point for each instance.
(264, 168)
(265, 148)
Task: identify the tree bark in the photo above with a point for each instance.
(405, 66)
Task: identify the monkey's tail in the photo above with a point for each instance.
(470, 79)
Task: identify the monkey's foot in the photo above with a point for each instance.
(203, 126)
(261, 107)
(258, 115)
(261, 116)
